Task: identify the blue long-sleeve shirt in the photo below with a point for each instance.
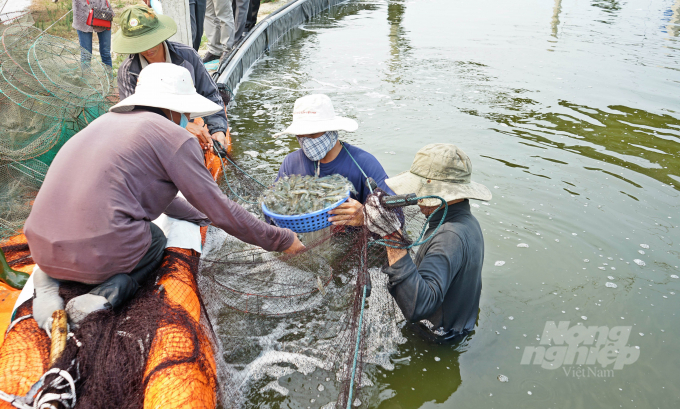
(445, 282)
(296, 163)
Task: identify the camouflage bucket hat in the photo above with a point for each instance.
(141, 29)
(443, 170)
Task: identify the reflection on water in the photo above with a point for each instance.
(555, 22)
(673, 25)
(580, 145)
(644, 142)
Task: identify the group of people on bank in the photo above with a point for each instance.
(92, 219)
(224, 23)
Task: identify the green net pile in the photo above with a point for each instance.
(50, 89)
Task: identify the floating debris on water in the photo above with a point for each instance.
(293, 195)
(320, 388)
(319, 285)
(528, 392)
(644, 246)
(499, 263)
(557, 240)
(522, 245)
(585, 260)
(674, 276)
(610, 277)
(511, 318)
(474, 205)
(639, 262)
(610, 285)
(436, 358)
(584, 318)
(503, 378)
(641, 251)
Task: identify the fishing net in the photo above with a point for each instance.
(298, 331)
(50, 89)
(155, 351)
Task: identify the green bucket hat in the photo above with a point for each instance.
(141, 29)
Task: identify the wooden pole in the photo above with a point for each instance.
(178, 10)
(58, 335)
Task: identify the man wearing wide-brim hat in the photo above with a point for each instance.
(91, 221)
(144, 35)
(444, 284)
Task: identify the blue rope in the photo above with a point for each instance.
(356, 350)
(420, 241)
(355, 162)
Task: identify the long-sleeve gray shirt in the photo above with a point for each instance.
(445, 282)
(91, 218)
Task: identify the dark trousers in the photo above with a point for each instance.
(240, 9)
(121, 287)
(197, 11)
(252, 14)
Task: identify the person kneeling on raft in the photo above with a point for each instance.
(91, 220)
(144, 36)
(441, 290)
(316, 126)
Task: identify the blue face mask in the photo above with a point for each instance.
(183, 121)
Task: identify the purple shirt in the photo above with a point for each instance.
(91, 217)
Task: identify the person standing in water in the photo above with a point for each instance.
(440, 290)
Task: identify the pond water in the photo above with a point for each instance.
(569, 112)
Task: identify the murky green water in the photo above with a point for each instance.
(569, 111)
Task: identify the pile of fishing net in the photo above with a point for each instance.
(49, 91)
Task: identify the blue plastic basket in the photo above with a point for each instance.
(304, 223)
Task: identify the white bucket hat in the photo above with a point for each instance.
(169, 86)
(315, 113)
(439, 169)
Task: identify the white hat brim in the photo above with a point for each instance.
(195, 105)
(339, 123)
(407, 182)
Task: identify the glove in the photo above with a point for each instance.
(46, 299)
(379, 220)
(81, 306)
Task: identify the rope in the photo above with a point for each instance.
(224, 171)
(355, 162)
(420, 240)
(356, 350)
(67, 13)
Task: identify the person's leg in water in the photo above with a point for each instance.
(85, 40)
(105, 46)
(120, 288)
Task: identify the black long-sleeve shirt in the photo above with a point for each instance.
(445, 282)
